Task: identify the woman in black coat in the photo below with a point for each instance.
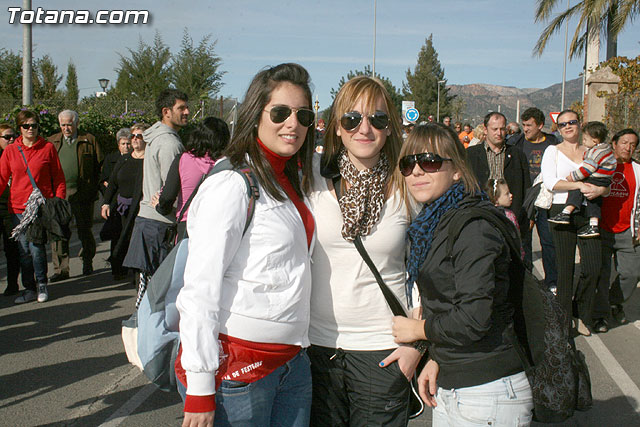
(465, 312)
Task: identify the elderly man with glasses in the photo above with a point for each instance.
(80, 157)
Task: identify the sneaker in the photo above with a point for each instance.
(589, 231)
(618, 314)
(58, 277)
(27, 296)
(561, 218)
(43, 295)
(600, 326)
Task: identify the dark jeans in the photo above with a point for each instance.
(33, 259)
(11, 251)
(548, 250)
(351, 389)
(579, 301)
(593, 207)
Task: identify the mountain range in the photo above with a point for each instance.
(481, 98)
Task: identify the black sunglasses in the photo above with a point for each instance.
(136, 135)
(280, 113)
(428, 162)
(565, 124)
(29, 125)
(9, 136)
(351, 120)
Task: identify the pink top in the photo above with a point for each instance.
(191, 169)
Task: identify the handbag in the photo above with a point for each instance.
(545, 197)
(416, 405)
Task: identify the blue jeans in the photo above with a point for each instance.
(504, 402)
(33, 259)
(282, 398)
(548, 250)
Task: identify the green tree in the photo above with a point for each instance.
(594, 17)
(71, 86)
(46, 80)
(145, 72)
(10, 75)
(194, 69)
(422, 84)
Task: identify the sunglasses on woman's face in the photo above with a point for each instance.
(9, 136)
(29, 125)
(351, 120)
(136, 135)
(565, 124)
(280, 113)
(428, 162)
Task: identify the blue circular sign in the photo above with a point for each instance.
(412, 114)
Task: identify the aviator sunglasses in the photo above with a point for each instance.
(280, 113)
(565, 124)
(351, 120)
(428, 162)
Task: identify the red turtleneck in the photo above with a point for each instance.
(278, 162)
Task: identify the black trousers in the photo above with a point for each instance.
(10, 250)
(576, 301)
(351, 389)
(593, 209)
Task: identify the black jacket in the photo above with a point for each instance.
(516, 173)
(464, 303)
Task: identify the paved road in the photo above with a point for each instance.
(62, 362)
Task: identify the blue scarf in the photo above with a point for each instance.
(420, 232)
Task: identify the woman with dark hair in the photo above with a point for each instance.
(360, 375)
(122, 198)
(44, 165)
(8, 136)
(558, 161)
(465, 311)
(204, 146)
(244, 307)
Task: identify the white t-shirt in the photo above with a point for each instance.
(348, 309)
(556, 167)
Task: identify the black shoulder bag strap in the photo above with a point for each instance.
(33, 181)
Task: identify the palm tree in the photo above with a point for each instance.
(595, 16)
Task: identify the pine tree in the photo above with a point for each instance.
(71, 84)
(10, 75)
(422, 84)
(394, 93)
(194, 70)
(145, 73)
(46, 81)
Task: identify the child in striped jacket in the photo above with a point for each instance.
(597, 168)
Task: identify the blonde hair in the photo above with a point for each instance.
(139, 126)
(442, 140)
(368, 89)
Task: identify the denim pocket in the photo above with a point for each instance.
(477, 410)
(230, 387)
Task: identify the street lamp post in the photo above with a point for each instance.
(438, 113)
(103, 84)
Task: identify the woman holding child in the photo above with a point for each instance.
(558, 162)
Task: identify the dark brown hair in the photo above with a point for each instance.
(244, 140)
(25, 115)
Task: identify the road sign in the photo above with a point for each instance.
(412, 115)
(554, 116)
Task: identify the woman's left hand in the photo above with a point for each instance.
(407, 330)
(591, 191)
(407, 358)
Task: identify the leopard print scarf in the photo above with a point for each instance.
(362, 203)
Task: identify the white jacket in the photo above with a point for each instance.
(255, 287)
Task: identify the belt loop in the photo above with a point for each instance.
(509, 386)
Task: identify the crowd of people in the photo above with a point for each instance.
(284, 315)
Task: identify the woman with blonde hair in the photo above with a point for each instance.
(474, 375)
(360, 376)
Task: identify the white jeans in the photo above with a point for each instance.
(503, 402)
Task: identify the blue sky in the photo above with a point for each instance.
(478, 41)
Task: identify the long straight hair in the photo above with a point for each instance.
(244, 142)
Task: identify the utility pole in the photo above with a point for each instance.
(27, 98)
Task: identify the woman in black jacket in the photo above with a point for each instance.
(465, 312)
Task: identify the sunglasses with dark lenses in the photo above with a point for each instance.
(280, 113)
(351, 120)
(10, 136)
(136, 135)
(565, 124)
(29, 125)
(428, 162)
